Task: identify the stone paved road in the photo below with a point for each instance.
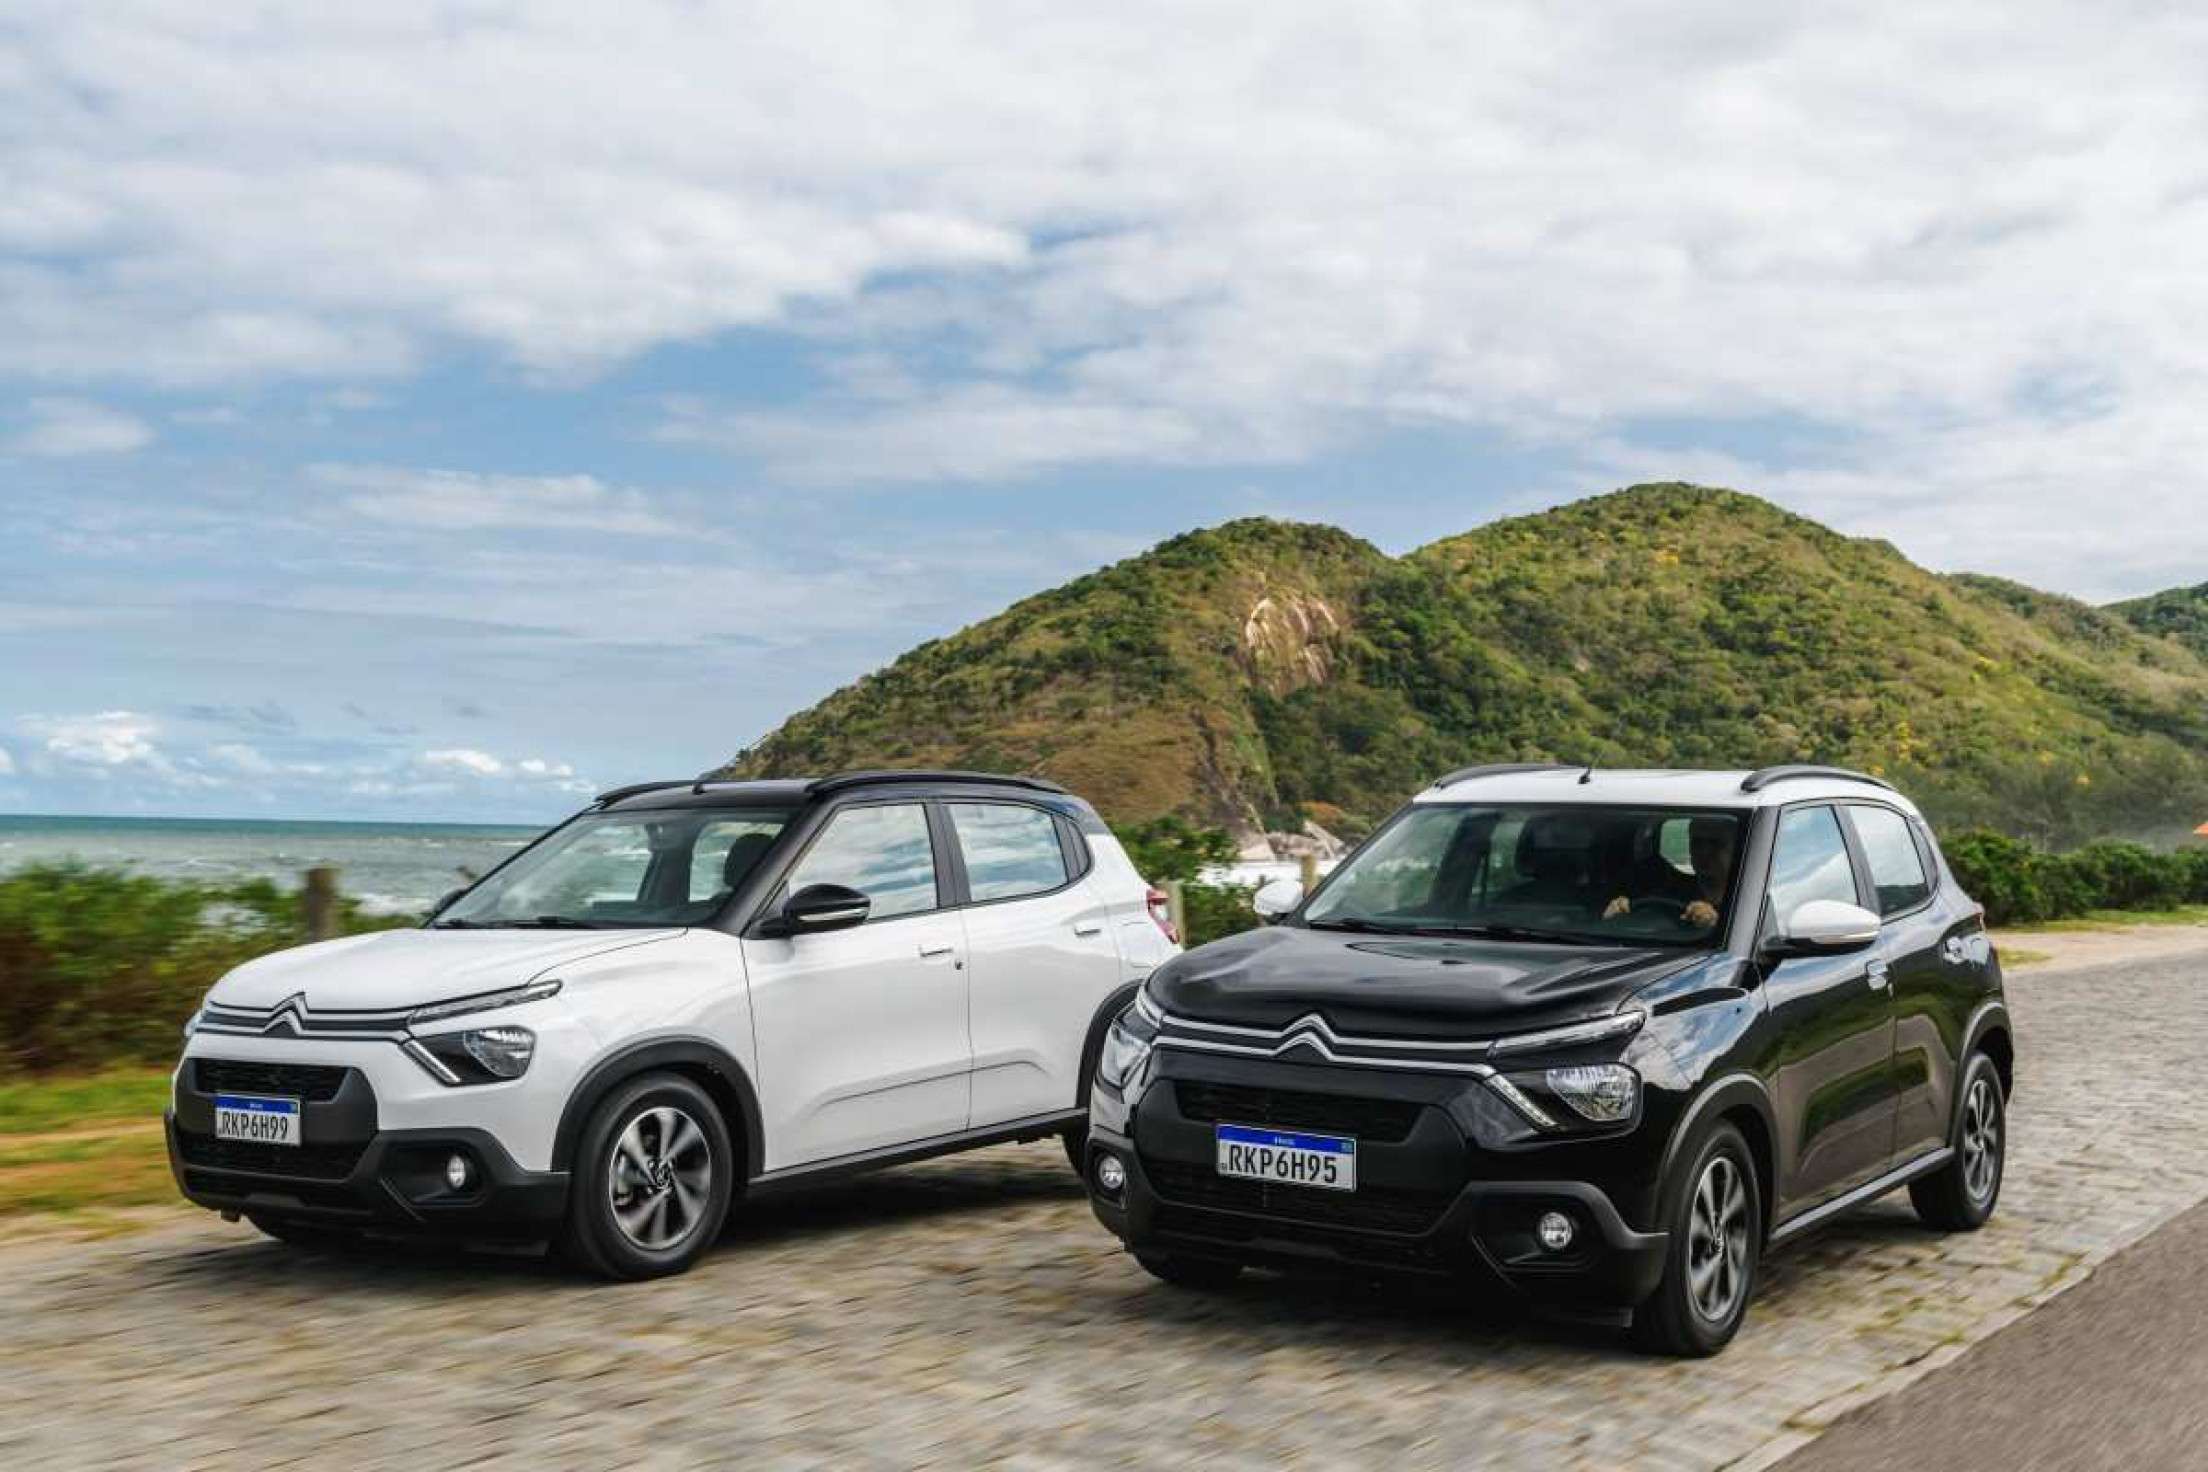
(970, 1311)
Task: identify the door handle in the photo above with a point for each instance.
(930, 952)
(1877, 975)
(1088, 927)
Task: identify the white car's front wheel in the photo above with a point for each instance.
(653, 1176)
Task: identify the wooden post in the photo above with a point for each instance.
(1176, 908)
(1308, 867)
(321, 904)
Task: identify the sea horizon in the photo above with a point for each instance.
(390, 867)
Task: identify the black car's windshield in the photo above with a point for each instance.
(623, 870)
(1579, 872)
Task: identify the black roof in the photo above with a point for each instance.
(792, 791)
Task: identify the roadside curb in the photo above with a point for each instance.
(1806, 1426)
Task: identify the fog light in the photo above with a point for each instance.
(458, 1174)
(1111, 1176)
(1555, 1230)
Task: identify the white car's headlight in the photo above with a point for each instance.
(480, 1056)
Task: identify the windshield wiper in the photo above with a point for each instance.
(1362, 926)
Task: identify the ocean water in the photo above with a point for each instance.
(389, 867)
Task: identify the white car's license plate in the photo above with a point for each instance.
(1290, 1158)
(251, 1117)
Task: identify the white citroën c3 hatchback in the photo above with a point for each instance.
(689, 994)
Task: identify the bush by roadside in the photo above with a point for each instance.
(1173, 848)
(2020, 884)
(102, 966)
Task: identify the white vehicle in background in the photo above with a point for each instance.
(689, 994)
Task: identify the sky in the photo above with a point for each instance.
(445, 410)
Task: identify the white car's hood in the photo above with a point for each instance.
(389, 969)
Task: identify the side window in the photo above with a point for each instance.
(882, 852)
(726, 851)
(1009, 851)
(1809, 862)
(1897, 869)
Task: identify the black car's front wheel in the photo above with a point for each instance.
(1714, 1213)
(1960, 1196)
(653, 1177)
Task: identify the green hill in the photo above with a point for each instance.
(1261, 672)
(2180, 614)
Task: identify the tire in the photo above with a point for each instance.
(1714, 1213)
(1961, 1195)
(653, 1176)
(314, 1235)
(1189, 1272)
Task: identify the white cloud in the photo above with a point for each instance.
(464, 759)
(1962, 236)
(458, 500)
(7, 763)
(240, 757)
(64, 428)
(110, 738)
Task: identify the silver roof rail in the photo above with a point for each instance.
(1764, 777)
(1505, 769)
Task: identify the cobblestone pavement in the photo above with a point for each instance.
(970, 1311)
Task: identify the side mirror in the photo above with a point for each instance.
(1275, 898)
(819, 907)
(1826, 928)
(444, 901)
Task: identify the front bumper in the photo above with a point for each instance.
(1431, 1198)
(347, 1171)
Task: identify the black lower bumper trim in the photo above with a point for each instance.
(1481, 1230)
(395, 1181)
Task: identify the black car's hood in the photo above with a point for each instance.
(1406, 986)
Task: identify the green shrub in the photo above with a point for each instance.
(2021, 885)
(1173, 848)
(1216, 910)
(101, 966)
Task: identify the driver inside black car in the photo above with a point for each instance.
(1710, 851)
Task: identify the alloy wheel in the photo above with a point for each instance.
(1981, 1140)
(1717, 1241)
(660, 1178)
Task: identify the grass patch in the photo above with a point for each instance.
(84, 1142)
(127, 1168)
(2017, 956)
(2122, 919)
(70, 1102)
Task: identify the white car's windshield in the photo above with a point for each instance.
(624, 870)
(1572, 872)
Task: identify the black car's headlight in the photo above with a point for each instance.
(481, 1055)
(1123, 1054)
(1564, 1099)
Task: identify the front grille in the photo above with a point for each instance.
(314, 1083)
(1367, 1209)
(307, 1162)
(1382, 1121)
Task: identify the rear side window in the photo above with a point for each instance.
(1009, 851)
(882, 852)
(1809, 862)
(1897, 868)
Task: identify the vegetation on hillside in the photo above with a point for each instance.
(2180, 614)
(1259, 673)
